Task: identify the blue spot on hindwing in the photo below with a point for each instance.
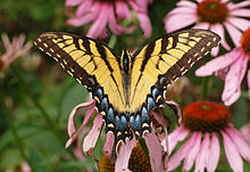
(138, 122)
(99, 93)
(144, 115)
(110, 115)
(155, 92)
(124, 123)
(132, 121)
(150, 103)
(104, 104)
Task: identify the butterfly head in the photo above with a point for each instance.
(125, 61)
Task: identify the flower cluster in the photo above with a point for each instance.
(111, 13)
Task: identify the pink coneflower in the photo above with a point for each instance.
(156, 154)
(14, 50)
(203, 123)
(231, 67)
(109, 12)
(210, 14)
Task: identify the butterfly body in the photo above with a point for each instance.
(127, 88)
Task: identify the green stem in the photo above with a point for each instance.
(204, 88)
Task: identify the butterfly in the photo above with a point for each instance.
(128, 87)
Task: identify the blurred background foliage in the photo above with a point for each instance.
(37, 96)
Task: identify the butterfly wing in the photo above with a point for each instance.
(163, 61)
(90, 62)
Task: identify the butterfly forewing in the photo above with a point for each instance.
(90, 62)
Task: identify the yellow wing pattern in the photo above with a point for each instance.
(90, 62)
(164, 60)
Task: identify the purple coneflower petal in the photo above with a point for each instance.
(245, 130)
(241, 13)
(83, 8)
(108, 145)
(189, 160)
(90, 140)
(234, 33)
(241, 144)
(145, 24)
(233, 80)
(214, 150)
(201, 159)
(6, 41)
(183, 21)
(100, 23)
(240, 23)
(182, 152)
(71, 123)
(123, 156)
(233, 6)
(202, 25)
(232, 154)
(179, 134)
(218, 28)
(188, 4)
(73, 2)
(217, 64)
(122, 10)
(248, 83)
(155, 152)
(116, 28)
(159, 118)
(78, 21)
(182, 10)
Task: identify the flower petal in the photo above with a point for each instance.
(202, 157)
(241, 144)
(232, 154)
(155, 152)
(145, 24)
(241, 12)
(90, 140)
(233, 80)
(182, 10)
(245, 131)
(73, 2)
(99, 24)
(182, 152)
(233, 6)
(248, 82)
(218, 63)
(122, 10)
(214, 149)
(218, 28)
(242, 24)
(189, 4)
(202, 25)
(78, 21)
(108, 145)
(83, 8)
(124, 155)
(71, 124)
(189, 160)
(234, 33)
(183, 21)
(179, 134)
